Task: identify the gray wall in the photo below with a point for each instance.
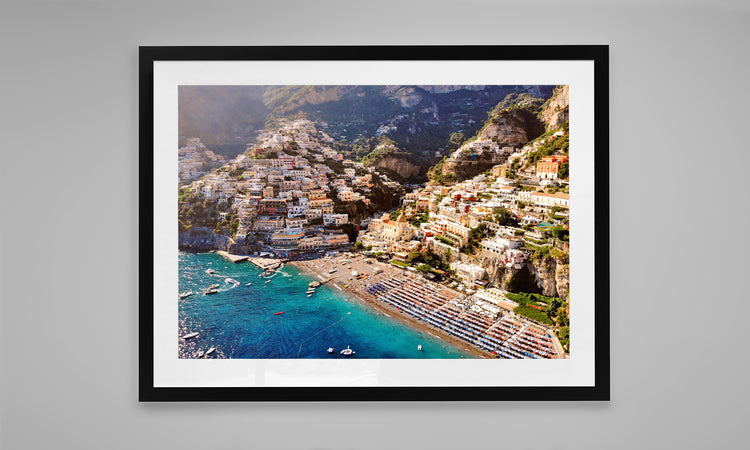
(70, 208)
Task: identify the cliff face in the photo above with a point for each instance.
(548, 277)
(555, 111)
(511, 128)
(202, 240)
(398, 165)
(552, 276)
(462, 169)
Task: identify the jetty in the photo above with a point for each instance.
(234, 258)
(264, 262)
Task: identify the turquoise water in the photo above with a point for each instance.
(239, 321)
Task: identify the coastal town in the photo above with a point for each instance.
(458, 258)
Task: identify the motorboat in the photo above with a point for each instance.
(210, 291)
(314, 284)
(280, 312)
(210, 350)
(214, 286)
(248, 284)
(268, 281)
(419, 347)
(210, 271)
(232, 280)
(190, 335)
(200, 353)
(185, 294)
(311, 291)
(330, 350)
(347, 351)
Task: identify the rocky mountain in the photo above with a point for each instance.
(419, 119)
(555, 111)
(515, 121)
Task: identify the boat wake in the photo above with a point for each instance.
(317, 333)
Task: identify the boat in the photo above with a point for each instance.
(419, 347)
(209, 351)
(185, 294)
(214, 286)
(330, 350)
(210, 291)
(190, 335)
(347, 351)
(248, 284)
(309, 295)
(314, 284)
(210, 271)
(280, 312)
(232, 280)
(311, 291)
(200, 354)
(268, 281)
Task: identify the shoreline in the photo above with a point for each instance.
(393, 313)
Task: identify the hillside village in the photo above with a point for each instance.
(503, 230)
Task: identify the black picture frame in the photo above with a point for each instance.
(598, 54)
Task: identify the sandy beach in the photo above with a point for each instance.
(343, 277)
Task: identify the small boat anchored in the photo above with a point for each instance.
(210, 271)
(209, 351)
(232, 280)
(248, 284)
(419, 347)
(190, 335)
(186, 294)
(347, 351)
(330, 350)
(314, 284)
(311, 291)
(280, 312)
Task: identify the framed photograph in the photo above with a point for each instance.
(374, 223)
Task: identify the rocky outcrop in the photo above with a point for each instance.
(510, 128)
(461, 169)
(555, 111)
(548, 277)
(400, 165)
(202, 240)
(552, 276)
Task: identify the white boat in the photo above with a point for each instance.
(314, 284)
(268, 281)
(210, 350)
(200, 354)
(309, 295)
(419, 347)
(232, 280)
(210, 271)
(190, 335)
(311, 291)
(248, 284)
(330, 350)
(214, 286)
(185, 294)
(347, 351)
(211, 291)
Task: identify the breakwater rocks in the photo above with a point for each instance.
(199, 242)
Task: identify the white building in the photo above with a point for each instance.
(335, 219)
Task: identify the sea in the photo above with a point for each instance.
(240, 321)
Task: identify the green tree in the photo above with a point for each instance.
(457, 138)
